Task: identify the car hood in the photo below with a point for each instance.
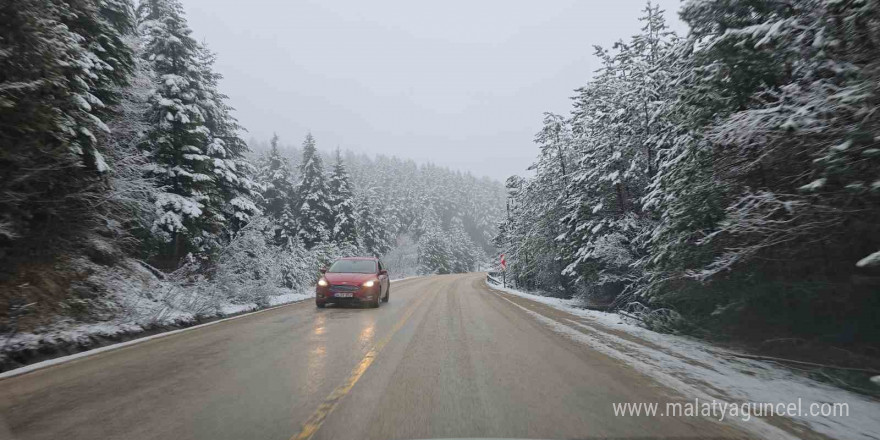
(349, 278)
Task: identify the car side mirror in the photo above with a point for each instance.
(383, 272)
(323, 270)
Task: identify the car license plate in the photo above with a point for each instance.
(343, 295)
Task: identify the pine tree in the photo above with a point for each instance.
(276, 180)
(618, 139)
(314, 213)
(342, 204)
(276, 183)
(286, 227)
(465, 254)
(179, 140)
(132, 193)
(371, 231)
(793, 145)
(434, 253)
(61, 64)
(235, 189)
(555, 140)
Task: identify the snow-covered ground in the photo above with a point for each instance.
(700, 370)
(67, 334)
(277, 300)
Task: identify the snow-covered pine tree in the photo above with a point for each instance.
(314, 214)
(618, 139)
(527, 236)
(533, 236)
(607, 192)
(235, 190)
(465, 254)
(342, 204)
(106, 34)
(132, 193)
(434, 253)
(179, 140)
(276, 180)
(794, 147)
(61, 63)
(555, 142)
(371, 232)
(287, 227)
(276, 183)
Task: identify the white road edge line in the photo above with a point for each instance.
(65, 359)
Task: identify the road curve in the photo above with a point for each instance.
(446, 357)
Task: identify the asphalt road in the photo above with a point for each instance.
(446, 357)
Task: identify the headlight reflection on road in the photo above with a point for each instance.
(365, 338)
(320, 321)
(317, 356)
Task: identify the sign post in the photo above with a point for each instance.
(503, 271)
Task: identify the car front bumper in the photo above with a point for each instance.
(362, 295)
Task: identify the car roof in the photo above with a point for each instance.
(358, 258)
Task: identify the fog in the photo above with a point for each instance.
(461, 84)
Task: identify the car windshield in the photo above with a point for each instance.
(353, 266)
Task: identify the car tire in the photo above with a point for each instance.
(375, 303)
(387, 294)
(320, 305)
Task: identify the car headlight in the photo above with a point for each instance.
(370, 283)
(322, 282)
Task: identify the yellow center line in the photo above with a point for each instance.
(314, 422)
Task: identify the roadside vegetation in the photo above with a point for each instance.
(722, 183)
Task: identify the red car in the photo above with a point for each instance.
(353, 280)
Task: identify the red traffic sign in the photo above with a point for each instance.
(503, 263)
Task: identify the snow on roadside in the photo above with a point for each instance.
(291, 297)
(232, 309)
(275, 300)
(60, 360)
(700, 370)
(66, 334)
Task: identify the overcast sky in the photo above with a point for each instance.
(458, 83)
